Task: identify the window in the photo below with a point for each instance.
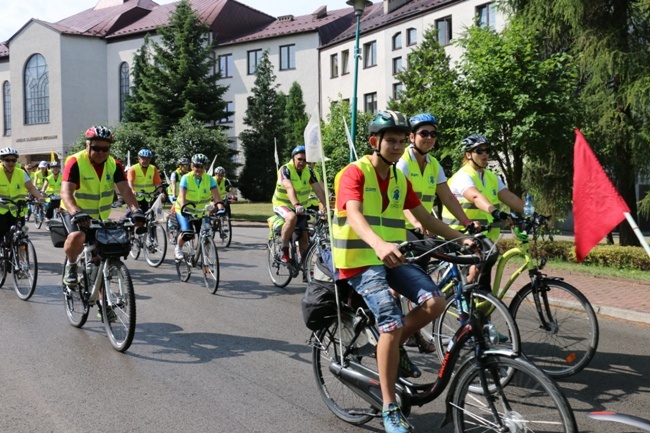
(345, 62)
(254, 58)
(397, 89)
(485, 15)
(287, 57)
(397, 41)
(370, 102)
(334, 65)
(226, 66)
(230, 108)
(370, 54)
(397, 65)
(444, 30)
(411, 37)
(125, 87)
(6, 105)
(37, 91)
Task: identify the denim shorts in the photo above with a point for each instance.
(408, 280)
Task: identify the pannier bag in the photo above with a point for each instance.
(318, 305)
(57, 232)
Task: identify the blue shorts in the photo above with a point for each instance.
(374, 285)
(186, 226)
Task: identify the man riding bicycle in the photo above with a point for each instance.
(175, 178)
(224, 185)
(52, 186)
(143, 177)
(295, 182)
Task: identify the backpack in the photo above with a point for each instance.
(318, 305)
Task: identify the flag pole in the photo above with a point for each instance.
(277, 158)
(637, 232)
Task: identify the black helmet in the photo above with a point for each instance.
(385, 120)
(473, 141)
(183, 161)
(421, 120)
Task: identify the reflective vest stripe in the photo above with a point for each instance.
(13, 190)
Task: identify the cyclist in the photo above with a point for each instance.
(479, 192)
(175, 178)
(224, 185)
(371, 195)
(314, 203)
(32, 170)
(89, 178)
(196, 187)
(143, 177)
(52, 186)
(15, 183)
(295, 182)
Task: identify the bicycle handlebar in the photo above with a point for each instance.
(461, 255)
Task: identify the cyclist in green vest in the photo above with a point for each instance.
(175, 178)
(52, 186)
(224, 185)
(143, 177)
(87, 189)
(371, 196)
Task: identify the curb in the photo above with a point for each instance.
(622, 313)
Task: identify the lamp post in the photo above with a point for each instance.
(359, 6)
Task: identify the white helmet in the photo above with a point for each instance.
(42, 164)
(219, 170)
(6, 151)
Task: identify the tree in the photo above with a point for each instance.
(135, 110)
(295, 118)
(610, 38)
(265, 125)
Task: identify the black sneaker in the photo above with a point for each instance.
(406, 366)
(70, 275)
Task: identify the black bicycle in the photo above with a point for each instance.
(222, 226)
(19, 255)
(493, 390)
(152, 240)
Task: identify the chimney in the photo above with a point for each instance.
(321, 12)
(284, 18)
(391, 5)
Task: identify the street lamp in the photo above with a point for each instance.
(359, 6)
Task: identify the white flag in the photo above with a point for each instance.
(353, 150)
(277, 159)
(210, 172)
(313, 142)
(128, 161)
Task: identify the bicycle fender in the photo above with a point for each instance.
(634, 421)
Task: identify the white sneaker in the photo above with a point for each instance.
(178, 253)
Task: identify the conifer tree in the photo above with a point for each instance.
(295, 117)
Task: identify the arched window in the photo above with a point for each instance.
(6, 105)
(37, 91)
(124, 87)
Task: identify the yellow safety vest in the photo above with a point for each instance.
(179, 174)
(490, 190)
(53, 185)
(313, 198)
(300, 183)
(200, 194)
(14, 190)
(221, 186)
(39, 179)
(94, 195)
(424, 184)
(349, 250)
(143, 181)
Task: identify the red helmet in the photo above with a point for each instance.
(99, 133)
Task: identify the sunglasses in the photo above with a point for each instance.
(482, 151)
(198, 165)
(426, 133)
(300, 159)
(10, 160)
(100, 148)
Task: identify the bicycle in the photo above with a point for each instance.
(203, 255)
(19, 255)
(493, 390)
(105, 281)
(223, 225)
(38, 213)
(282, 273)
(152, 239)
(631, 420)
(55, 212)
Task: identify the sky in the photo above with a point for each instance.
(15, 13)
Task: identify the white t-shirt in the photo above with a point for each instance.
(462, 181)
(403, 166)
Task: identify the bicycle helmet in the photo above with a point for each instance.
(55, 164)
(42, 164)
(421, 120)
(219, 170)
(99, 133)
(200, 159)
(296, 150)
(6, 151)
(385, 120)
(474, 141)
(145, 153)
(183, 161)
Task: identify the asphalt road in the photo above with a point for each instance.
(236, 361)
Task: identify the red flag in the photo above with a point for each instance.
(597, 207)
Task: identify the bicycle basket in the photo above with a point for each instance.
(57, 233)
(113, 242)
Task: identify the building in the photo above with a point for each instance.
(59, 78)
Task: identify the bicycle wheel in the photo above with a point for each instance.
(136, 245)
(118, 306)
(569, 341)
(38, 216)
(225, 230)
(155, 245)
(210, 265)
(529, 402)
(25, 269)
(341, 400)
(279, 272)
(184, 267)
(4, 266)
(315, 268)
(76, 309)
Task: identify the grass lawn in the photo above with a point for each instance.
(246, 211)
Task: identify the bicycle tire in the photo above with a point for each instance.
(119, 301)
(184, 266)
(225, 230)
(312, 269)
(279, 272)
(340, 399)
(25, 270)
(75, 307)
(4, 263)
(571, 342)
(529, 402)
(136, 245)
(210, 265)
(38, 217)
(155, 245)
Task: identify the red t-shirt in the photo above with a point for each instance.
(351, 185)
